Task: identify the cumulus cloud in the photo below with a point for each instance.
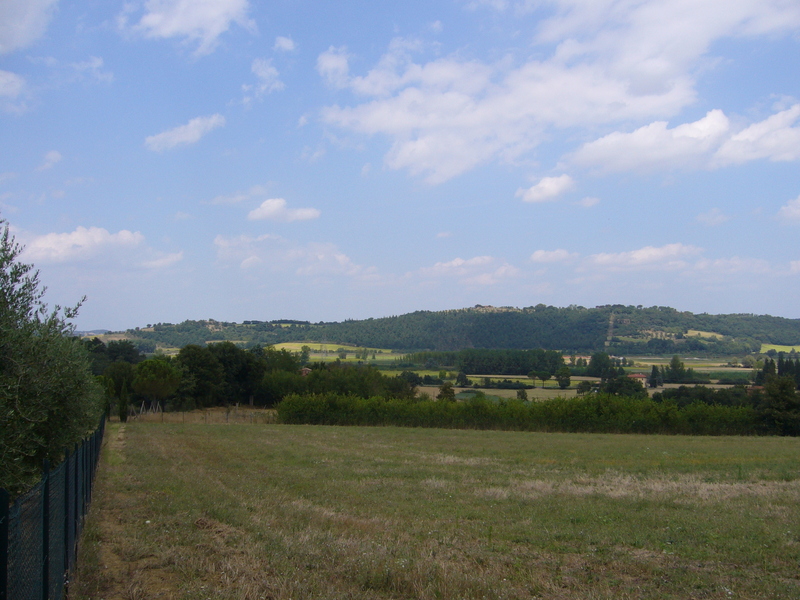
(197, 21)
(50, 159)
(269, 208)
(267, 75)
(81, 244)
(284, 44)
(773, 138)
(93, 67)
(164, 261)
(22, 22)
(670, 256)
(655, 146)
(548, 188)
(733, 266)
(314, 260)
(333, 67)
(479, 270)
(598, 63)
(184, 134)
(791, 210)
(11, 84)
(713, 217)
(552, 256)
(710, 142)
(276, 209)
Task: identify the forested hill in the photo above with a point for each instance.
(627, 329)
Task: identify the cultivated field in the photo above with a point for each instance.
(767, 347)
(248, 511)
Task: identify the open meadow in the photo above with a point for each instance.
(258, 511)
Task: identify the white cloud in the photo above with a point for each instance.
(654, 146)
(80, 244)
(598, 63)
(479, 270)
(710, 142)
(791, 210)
(498, 5)
(185, 134)
(552, 256)
(267, 75)
(284, 44)
(200, 21)
(713, 217)
(163, 261)
(794, 266)
(589, 201)
(275, 209)
(670, 256)
(733, 266)
(549, 188)
(773, 138)
(50, 159)
(238, 197)
(22, 22)
(94, 68)
(315, 260)
(11, 84)
(332, 65)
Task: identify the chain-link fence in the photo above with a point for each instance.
(40, 530)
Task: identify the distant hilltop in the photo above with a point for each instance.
(619, 329)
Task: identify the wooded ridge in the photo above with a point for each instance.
(615, 328)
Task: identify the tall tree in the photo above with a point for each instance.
(563, 377)
(781, 405)
(201, 376)
(156, 379)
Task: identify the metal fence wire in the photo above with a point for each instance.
(39, 532)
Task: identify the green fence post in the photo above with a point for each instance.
(46, 530)
(66, 522)
(3, 544)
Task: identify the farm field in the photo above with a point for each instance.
(778, 348)
(249, 511)
(322, 351)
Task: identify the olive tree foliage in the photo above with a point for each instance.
(49, 399)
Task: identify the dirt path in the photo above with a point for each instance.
(112, 565)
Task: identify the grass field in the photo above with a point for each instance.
(703, 334)
(271, 511)
(778, 348)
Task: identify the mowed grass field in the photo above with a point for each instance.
(252, 511)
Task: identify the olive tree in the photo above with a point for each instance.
(49, 398)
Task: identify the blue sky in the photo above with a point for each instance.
(235, 159)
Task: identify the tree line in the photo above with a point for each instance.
(474, 361)
(225, 374)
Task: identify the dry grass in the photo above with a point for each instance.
(211, 416)
(266, 511)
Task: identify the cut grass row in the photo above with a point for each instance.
(272, 511)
